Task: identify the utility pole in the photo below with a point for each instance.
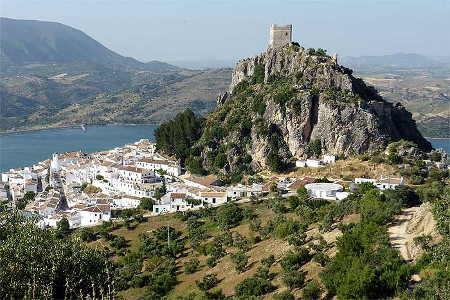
(168, 233)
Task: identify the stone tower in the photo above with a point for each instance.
(280, 35)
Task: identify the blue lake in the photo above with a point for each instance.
(26, 149)
(441, 143)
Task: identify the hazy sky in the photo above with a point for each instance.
(189, 30)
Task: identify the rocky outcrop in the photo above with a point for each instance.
(282, 100)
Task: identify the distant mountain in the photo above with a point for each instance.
(161, 66)
(407, 60)
(204, 63)
(29, 41)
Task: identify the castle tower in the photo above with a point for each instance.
(280, 35)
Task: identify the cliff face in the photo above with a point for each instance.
(284, 100)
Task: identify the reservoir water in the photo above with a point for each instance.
(26, 149)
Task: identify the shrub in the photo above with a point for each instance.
(286, 295)
(253, 286)
(87, 234)
(294, 279)
(258, 74)
(191, 266)
(211, 262)
(147, 203)
(269, 261)
(229, 215)
(294, 260)
(240, 260)
(208, 282)
(312, 290)
(262, 272)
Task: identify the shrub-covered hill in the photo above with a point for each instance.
(269, 248)
(292, 102)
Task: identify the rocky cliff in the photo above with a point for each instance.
(289, 103)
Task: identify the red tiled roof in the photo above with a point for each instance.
(177, 195)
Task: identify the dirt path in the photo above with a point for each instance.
(398, 236)
(410, 223)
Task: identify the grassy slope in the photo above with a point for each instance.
(227, 274)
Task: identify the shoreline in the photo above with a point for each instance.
(436, 138)
(22, 131)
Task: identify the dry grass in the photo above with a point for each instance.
(349, 168)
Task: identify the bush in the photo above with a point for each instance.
(262, 272)
(253, 286)
(240, 260)
(269, 261)
(229, 215)
(191, 266)
(147, 203)
(208, 282)
(211, 262)
(258, 74)
(292, 261)
(87, 234)
(294, 279)
(286, 295)
(312, 290)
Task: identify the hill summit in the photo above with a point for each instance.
(30, 41)
(290, 102)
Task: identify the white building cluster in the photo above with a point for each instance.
(86, 188)
(197, 192)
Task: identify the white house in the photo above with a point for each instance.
(171, 168)
(213, 198)
(93, 215)
(137, 175)
(385, 183)
(127, 201)
(324, 190)
(313, 163)
(161, 208)
(243, 191)
(300, 163)
(362, 180)
(329, 159)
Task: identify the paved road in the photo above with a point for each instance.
(57, 184)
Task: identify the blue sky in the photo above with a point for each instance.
(190, 30)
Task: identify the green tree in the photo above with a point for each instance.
(87, 234)
(253, 287)
(312, 290)
(147, 203)
(61, 268)
(63, 226)
(240, 260)
(191, 266)
(208, 282)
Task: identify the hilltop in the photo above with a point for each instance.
(288, 103)
(30, 41)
